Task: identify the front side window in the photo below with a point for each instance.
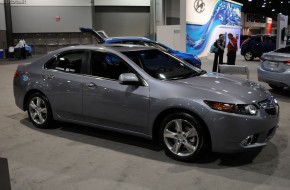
(70, 62)
(108, 66)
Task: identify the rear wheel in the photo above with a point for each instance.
(276, 87)
(249, 56)
(183, 137)
(39, 111)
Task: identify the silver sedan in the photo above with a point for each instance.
(275, 68)
(149, 93)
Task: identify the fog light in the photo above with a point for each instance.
(247, 141)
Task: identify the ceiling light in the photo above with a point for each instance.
(263, 5)
(250, 0)
(273, 9)
(281, 1)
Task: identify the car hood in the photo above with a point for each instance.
(228, 86)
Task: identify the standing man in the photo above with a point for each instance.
(232, 49)
(219, 54)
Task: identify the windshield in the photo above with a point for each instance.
(162, 65)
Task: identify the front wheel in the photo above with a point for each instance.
(183, 137)
(249, 56)
(39, 111)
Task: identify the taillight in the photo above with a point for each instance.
(287, 62)
(262, 59)
(16, 74)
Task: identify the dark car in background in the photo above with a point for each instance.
(243, 38)
(256, 45)
(103, 38)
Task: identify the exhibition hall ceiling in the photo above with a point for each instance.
(270, 8)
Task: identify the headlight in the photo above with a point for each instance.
(244, 109)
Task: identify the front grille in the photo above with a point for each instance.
(271, 111)
(270, 106)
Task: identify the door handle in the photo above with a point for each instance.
(49, 77)
(91, 85)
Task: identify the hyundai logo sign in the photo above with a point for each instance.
(199, 6)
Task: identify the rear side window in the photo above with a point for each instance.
(70, 62)
(270, 40)
(284, 50)
(258, 39)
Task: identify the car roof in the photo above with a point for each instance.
(259, 35)
(133, 38)
(109, 47)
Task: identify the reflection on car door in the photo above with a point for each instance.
(63, 78)
(108, 103)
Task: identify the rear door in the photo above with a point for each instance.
(63, 78)
(108, 103)
(258, 47)
(269, 43)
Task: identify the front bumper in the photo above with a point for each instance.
(232, 133)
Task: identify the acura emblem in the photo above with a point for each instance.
(199, 6)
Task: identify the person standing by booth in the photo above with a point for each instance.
(219, 45)
(232, 49)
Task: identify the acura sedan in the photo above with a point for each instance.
(275, 68)
(149, 93)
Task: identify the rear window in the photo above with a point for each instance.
(283, 50)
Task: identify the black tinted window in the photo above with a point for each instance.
(284, 50)
(68, 62)
(270, 40)
(258, 39)
(108, 66)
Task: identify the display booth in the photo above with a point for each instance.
(205, 20)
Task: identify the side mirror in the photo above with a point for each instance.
(129, 79)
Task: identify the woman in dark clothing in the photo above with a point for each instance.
(219, 54)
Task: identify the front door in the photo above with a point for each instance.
(108, 103)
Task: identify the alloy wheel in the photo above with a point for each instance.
(180, 137)
(38, 110)
(249, 56)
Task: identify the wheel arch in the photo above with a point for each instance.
(28, 94)
(166, 112)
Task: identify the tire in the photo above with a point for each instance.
(275, 87)
(39, 111)
(249, 56)
(183, 137)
